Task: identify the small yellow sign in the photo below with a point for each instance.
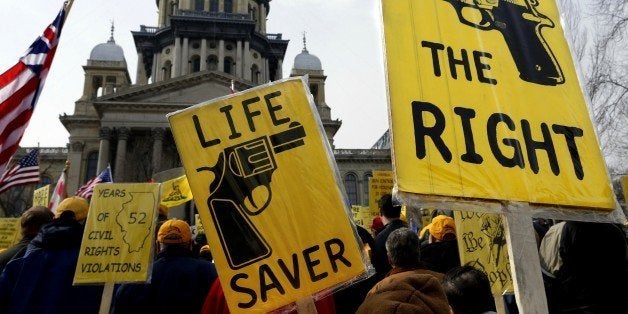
(41, 196)
(119, 234)
(482, 244)
(485, 104)
(9, 232)
(381, 183)
(264, 185)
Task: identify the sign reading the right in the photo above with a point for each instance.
(485, 104)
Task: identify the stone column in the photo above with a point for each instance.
(123, 136)
(221, 55)
(247, 61)
(158, 136)
(140, 76)
(185, 58)
(238, 60)
(206, 5)
(279, 74)
(176, 64)
(154, 68)
(75, 158)
(162, 13)
(103, 152)
(262, 21)
(203, 54)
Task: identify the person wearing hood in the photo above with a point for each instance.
(41, 280)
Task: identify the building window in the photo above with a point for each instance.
(212, 63)
(351, 186)
(92, 163)
(229, 65)
(167, 70)
(195, 65)
(213, 5)
(367, 180)
(228, 6)
(255, 74)
(199, 5)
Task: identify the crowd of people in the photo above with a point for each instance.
(585, 269)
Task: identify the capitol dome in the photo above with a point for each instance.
(306, 61)
(108, 51)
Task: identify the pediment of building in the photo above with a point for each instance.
(189, 89)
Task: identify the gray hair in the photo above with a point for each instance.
(403, 249)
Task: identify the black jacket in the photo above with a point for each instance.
(380, 255)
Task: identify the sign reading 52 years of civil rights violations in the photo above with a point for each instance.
(267, 191)
(485, 104)
(118, 238)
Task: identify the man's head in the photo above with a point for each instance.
(33, 219)
(75, 206)
(403, 248)
(468, 290)
(387, 208)
(175, 232)
(442, 228)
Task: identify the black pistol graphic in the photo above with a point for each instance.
(520, 23)
(239, 170)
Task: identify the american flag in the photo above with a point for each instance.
(88, 188)
(59, 193)
(21, 85)
(24, 172)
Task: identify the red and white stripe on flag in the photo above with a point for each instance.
(59, 193)
(20, 87)
(87, 189)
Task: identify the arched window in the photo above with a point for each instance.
(228, 6)
(92, 163)
(44, 180)
(195, 64)
(212, 63)
(213, 5)
(351, 186)
(167, 70)
(367, 180)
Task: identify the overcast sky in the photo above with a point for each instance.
(344, 34)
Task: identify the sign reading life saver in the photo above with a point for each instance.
(485, 104)
(266, 188)
(119, 234)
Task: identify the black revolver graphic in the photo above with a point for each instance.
(520, 23)
(240, 169)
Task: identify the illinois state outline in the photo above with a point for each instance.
(134, 220)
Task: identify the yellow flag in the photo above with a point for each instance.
(176, 192)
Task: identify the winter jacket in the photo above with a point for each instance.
(41, 280)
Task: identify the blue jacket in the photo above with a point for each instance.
(41, 281)
(179, 284)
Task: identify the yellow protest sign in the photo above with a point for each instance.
(482, 243)
(485, 104)
(362, 216)
(380, 183)
(265, 187)
(176, 192)
(9, 232)
(41, 196)
(624, 184)
(119, 234)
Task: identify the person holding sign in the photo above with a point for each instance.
(31, 222)
(390, 214)
(179, 281)
(41, 281)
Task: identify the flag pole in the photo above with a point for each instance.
(68, 7)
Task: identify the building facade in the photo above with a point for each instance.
(193, 54)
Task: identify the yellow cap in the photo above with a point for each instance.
(174, 231)
(76, 204)
(440, 226)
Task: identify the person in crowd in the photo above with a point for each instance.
(31, 222)
(179, 281)
(205, 253)
(390, 214)
(41, 280)
(591, 274)
(349, 299)
(468, 291)
(408, 287)
(376, 226)
(440, 253)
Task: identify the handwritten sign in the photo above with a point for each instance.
(381, 183)
(41, 196)
(9, 232)
(119, 234)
